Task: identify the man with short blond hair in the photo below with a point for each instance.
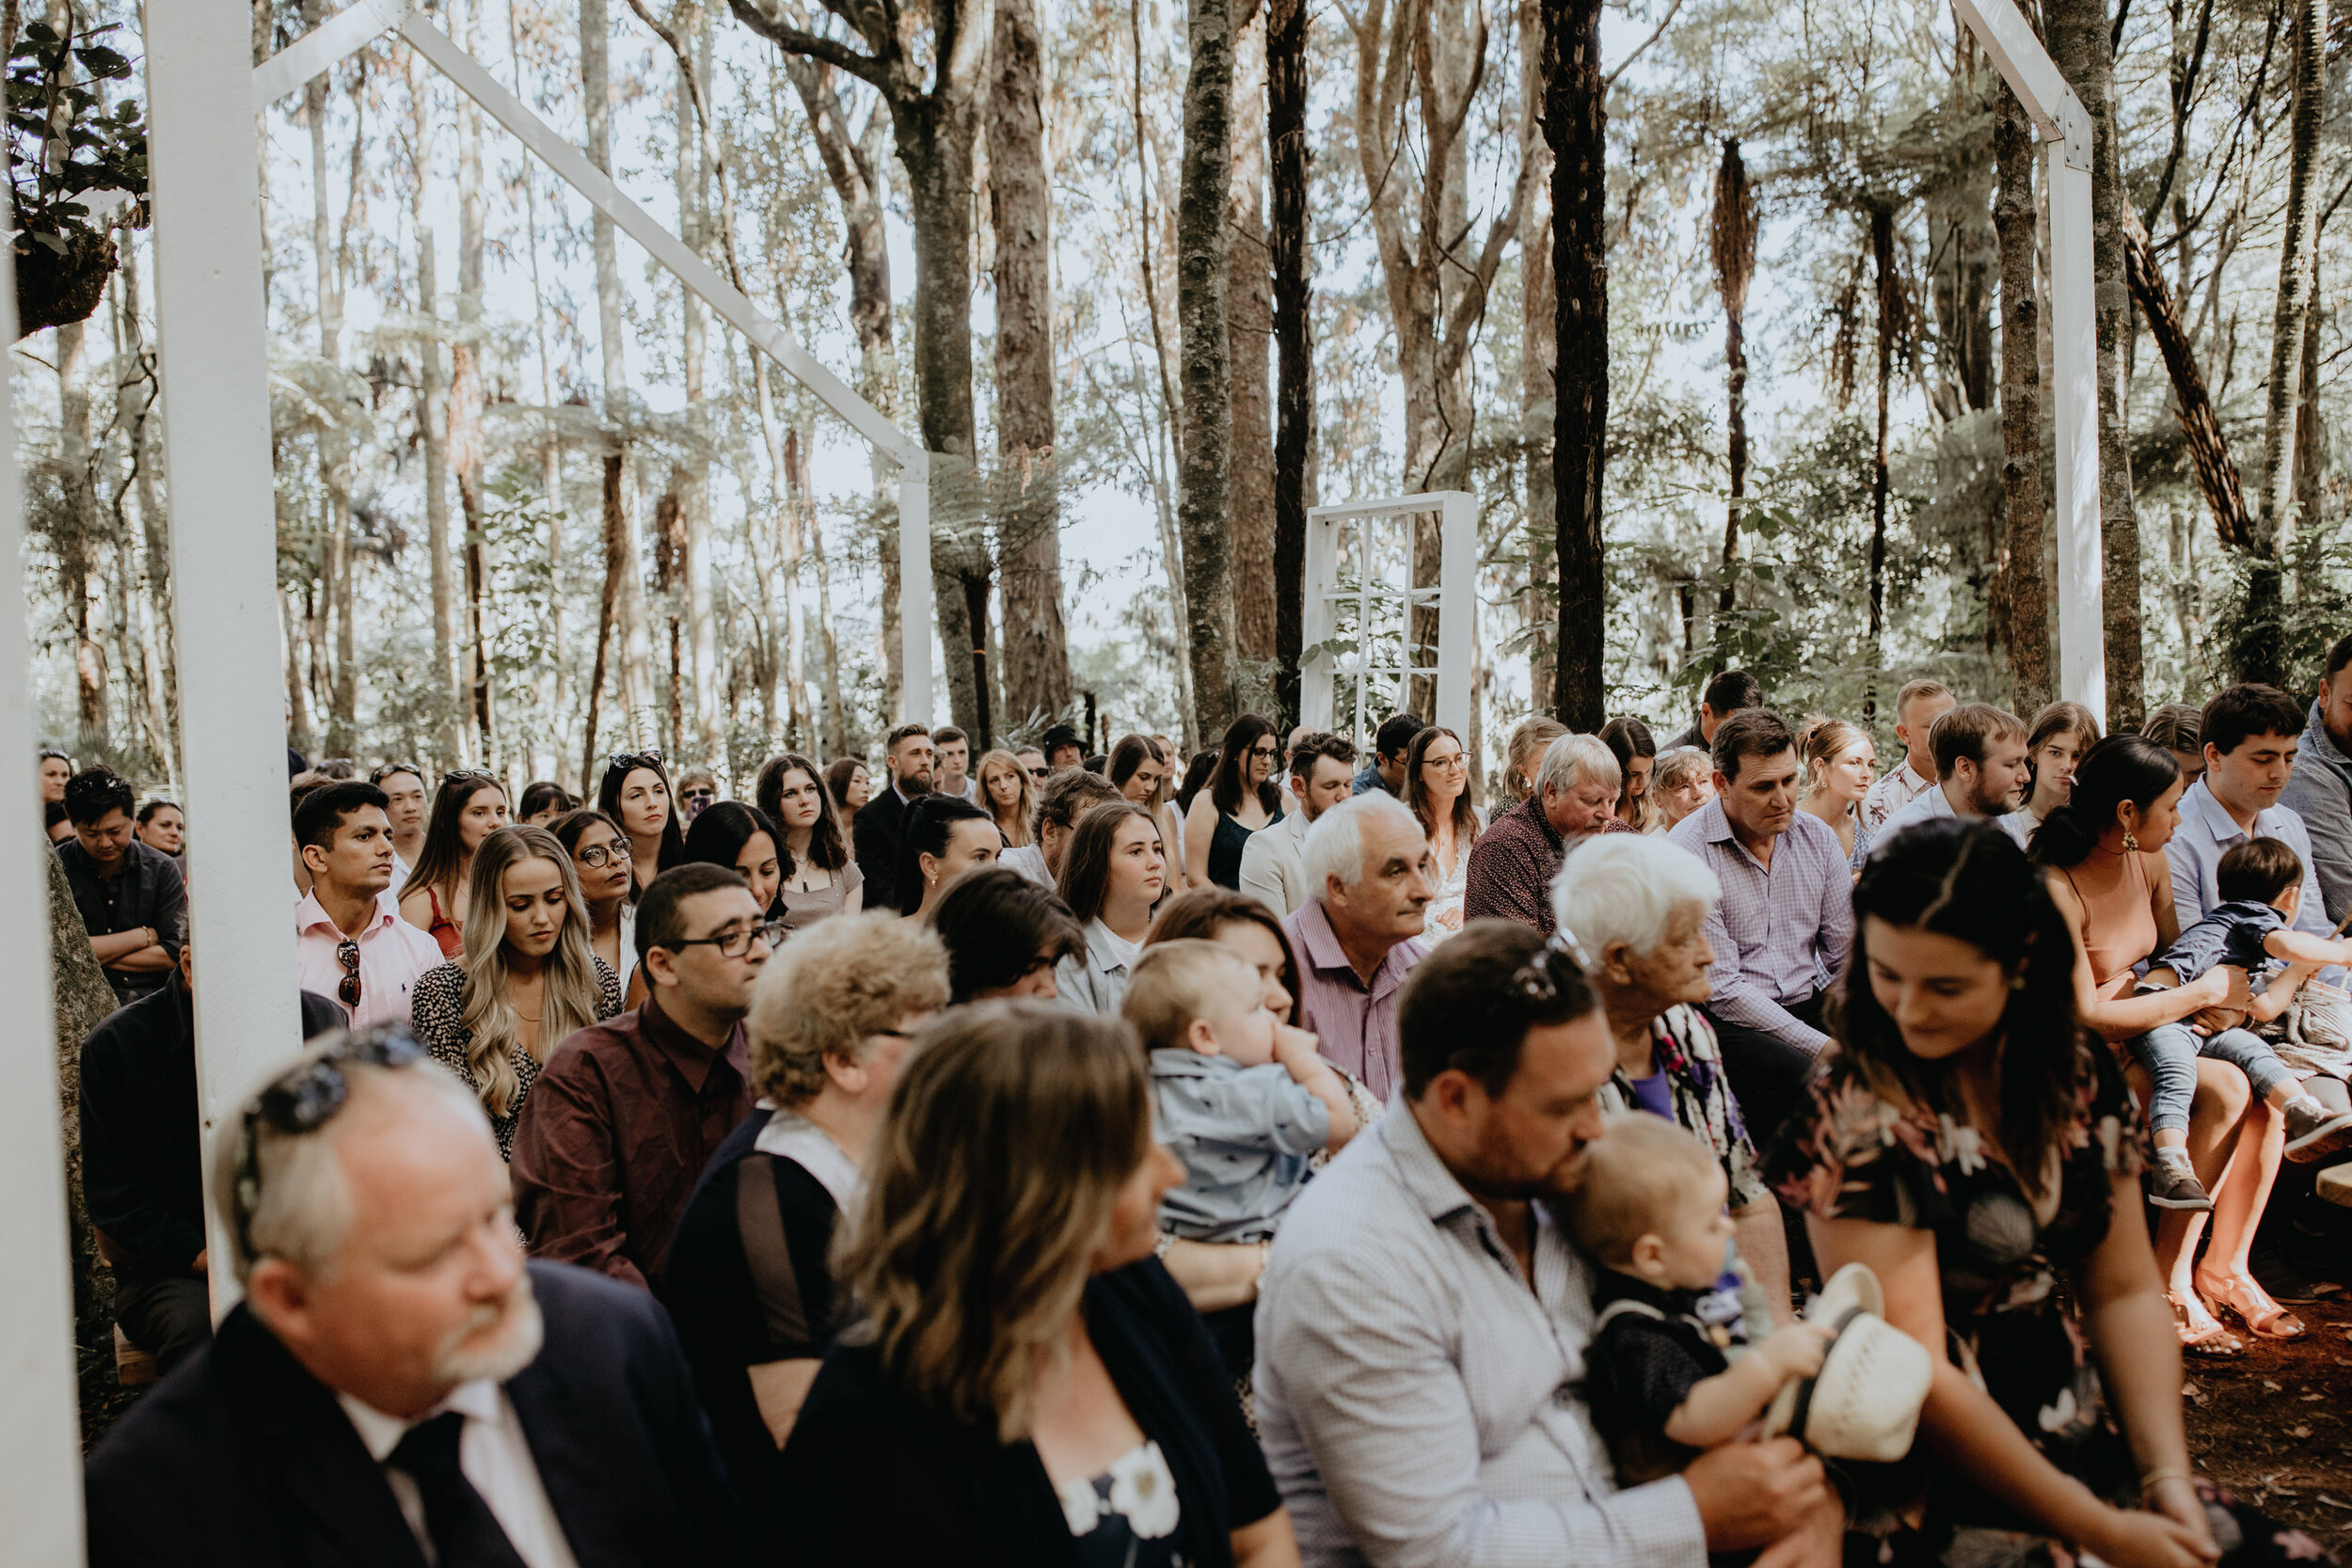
(1917, 706)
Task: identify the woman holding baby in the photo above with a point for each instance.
(1972, 1143)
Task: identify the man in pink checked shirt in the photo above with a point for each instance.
(350, 942)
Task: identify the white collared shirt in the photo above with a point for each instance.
(792, 1136)
(493, 1454)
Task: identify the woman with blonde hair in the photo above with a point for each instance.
(1027, 1383)
(1681, 780)
(748, 1279)
(1839, 762)
(1531, 737)
(526, 978)
(1008, 795)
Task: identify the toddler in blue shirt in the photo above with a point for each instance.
(1240, 1097)
(2261, 883)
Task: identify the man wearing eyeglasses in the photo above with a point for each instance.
(403, 783)
(350, 941)
(398, 1386)
(621, 1121)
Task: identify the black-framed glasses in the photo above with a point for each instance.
(377, 776)
(1539, 979)
(736, 941)
(347, 954)
(698, 793)
(1268, 751)
(626, 760)
(306, 1098)
(597, 855)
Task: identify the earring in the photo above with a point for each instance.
(2130, 840)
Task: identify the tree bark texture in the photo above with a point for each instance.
(2025, 598)
(433, 424)
(1888, 289)
(1540, 356)
(467, 402)
(2201, 425)
(80, 999)
(2297, 279)
(2080, 44)
(1293, 336)
(1732, 247)
(1576, 120)
(1035, 671)
(1204, 258)
(1251, 496)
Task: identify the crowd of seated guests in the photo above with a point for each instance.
(1194, 1176)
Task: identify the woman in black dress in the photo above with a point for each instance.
(1968, 1140)
(1028, 1386)
(749, 1279)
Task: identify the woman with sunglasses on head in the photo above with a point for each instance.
(468, 808)
(599, 852)
(1008, 795)
(819, 877)
(942, 838)
(635, 793)
(525, 980)
(1240, 800)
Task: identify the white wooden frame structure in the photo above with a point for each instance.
(202, 95)
(1328, 547)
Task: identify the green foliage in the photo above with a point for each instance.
(2283, 633)
(64, 141)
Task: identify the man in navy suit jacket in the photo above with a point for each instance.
(398, 1387)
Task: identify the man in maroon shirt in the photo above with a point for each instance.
(615, 1131)
(1512, 864)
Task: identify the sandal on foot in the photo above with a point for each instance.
(2201, 1334)
(2250, 1303)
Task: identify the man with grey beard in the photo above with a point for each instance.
(399, 1387)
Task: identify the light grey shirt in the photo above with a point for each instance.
(1419, 1402)
(2320, 792)
(2207, 831)
(1926, 806)
(1244, 1135)
(1095, 981)
(1274, 864)
(1029, 860)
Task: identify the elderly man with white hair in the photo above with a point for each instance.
(1512, 864)
(399, 1387)
(1637, 906)
(1369, 864)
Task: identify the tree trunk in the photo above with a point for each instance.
(1035, 671)
(77, 542)
(1252, 320)
(2200, 426)
(2080, 44)
(1576, 121)
(629, 609)
(1540, 356)
(2310, 435)
(334, 460)
(1203, 255)
(619, 560)
(2024, 595)
(433, 422)
(80, 999)
(1286, 138)
(1889, 304)
(466, 400)
(1733, 251)
(693, 168)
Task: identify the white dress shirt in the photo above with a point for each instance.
(493, 1454)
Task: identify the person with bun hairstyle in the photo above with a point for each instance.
(942, 836)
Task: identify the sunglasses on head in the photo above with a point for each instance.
(465, 775)
(305, 1099)
(636, 760)
(380, 774)
(1558, 961)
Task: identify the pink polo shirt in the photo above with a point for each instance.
(392, 953)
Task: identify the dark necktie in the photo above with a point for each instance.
(465, 1533)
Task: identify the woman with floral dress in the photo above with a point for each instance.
(1971, 1143)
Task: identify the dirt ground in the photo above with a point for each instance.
(2275, 1426)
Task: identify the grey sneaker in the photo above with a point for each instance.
(2175, 1186)
(2313, 1133)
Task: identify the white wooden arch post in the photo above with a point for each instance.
(204, 96)
(2065, 128)
(1373, 542)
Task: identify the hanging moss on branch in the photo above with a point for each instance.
(66, 146)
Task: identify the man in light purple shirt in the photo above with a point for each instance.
(1783, 926)
(350, 941)
(1373, 877)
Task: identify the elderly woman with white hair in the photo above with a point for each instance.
(1515, 859)
(1637, 906)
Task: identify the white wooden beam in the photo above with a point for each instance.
(2075, 404)
(213, 346)
(323, 48)
(40, 1471)
(914, 589)
(2031, 75)
(1458, 607)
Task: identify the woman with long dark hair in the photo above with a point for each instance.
(467, 809)
(742, 839)
(850, 785)
(819, 877)
(1971, 1143)
(1004, 935)
(941, 838)
(2103, 852)
(1241, 799)
(599, 852)
(635, 793)
(1139, 770)
(1112, 878)
(2062, 734)
(525, 979)
(1437, 788)
(1630, 741)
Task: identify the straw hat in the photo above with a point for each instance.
(1863, 1403)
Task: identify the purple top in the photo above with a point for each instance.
(1779, 934)
(1354, 1024)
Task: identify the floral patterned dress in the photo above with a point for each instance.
(1853, 1155)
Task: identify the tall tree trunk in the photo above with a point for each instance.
(153, 522)
(1036, 668)
(2081, 45)
(1890, 308)
(1204, 257)
(693, 170)
(2200, 426)
(629, 609)
(1539, 354)
(2310, 435)
(467, 401)
(2027, 619)
(433, 422)
(1576, 123)
(618, 562)
(78, 543)
(1251, 502)
(1294, 404)
(1732, 249)
(551, 454)
(333, 459)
